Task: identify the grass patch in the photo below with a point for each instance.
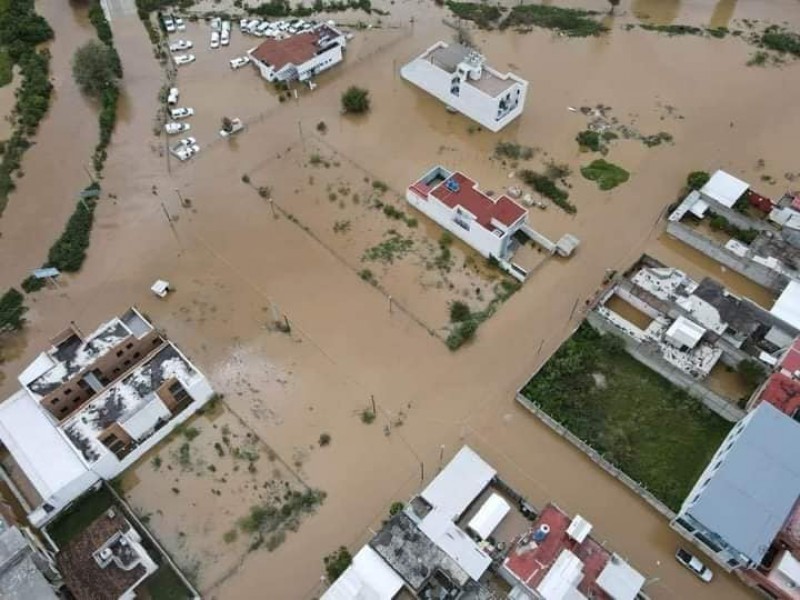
(673, 30)
(395, 247)
(464, 329)
(572, 22)
(607, 175)
(589, 140)
(636, 419)
(484, 16)
(779, 40)
(547, 187)
(79, 516)
(513, 151)
(165, 584)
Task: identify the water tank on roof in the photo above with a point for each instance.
(541, 533)
(105, 554)
(452, 185)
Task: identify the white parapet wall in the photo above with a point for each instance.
(458, 77)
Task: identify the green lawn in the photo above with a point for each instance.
(165, 584)
(639, 421)
(607, 175)
(80, 516)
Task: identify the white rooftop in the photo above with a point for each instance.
(459, 483)
(561, 581)
(789, 567)
(619, 580)
(455, 542)
(579, 529)
(49, 461)
(684, 332)
(489, 516)
(367, 578)
(724, 188)
(787, 306)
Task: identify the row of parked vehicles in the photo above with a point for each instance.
(274, 29)
(173, 24)
(220, 33)
(186, 147)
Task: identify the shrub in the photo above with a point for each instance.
(483, 15)
(12, 309)
(367, 416)
(571, 22)
(395, 508)
(324, 439)
(461, 334)
(513, 151)
(69, 250)
(322, 127)
(459, 311)
(355, 100)
(32, 284)
(336, 563)
(697, 179)
(590, 140)
(751, 372)
(781, 41)
(547, 188)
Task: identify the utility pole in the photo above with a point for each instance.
(180, 198)
(390, 305)
(441, 456)
(91, 179)
(372, 399)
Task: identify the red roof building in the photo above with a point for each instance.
(782, 392)
(299, 56)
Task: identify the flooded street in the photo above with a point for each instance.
(235, 264)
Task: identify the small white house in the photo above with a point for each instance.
(301, 56)
(454, 201)
(458, 76)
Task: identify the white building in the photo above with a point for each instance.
(454, 201)
(301, 56)
(89, 407)
(747, 492)
(458, 76)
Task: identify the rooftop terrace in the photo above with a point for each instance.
(73, 353)
(124, 398)
(448, 58)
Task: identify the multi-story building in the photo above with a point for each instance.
(27, 569)
(458, 76)
(90, 406)
(454, 201)
(747, 493)
(301, 56)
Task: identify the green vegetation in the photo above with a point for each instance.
(697, 179)
(230, 536)
(94, 68)
(109, 97)
(6, 68)
(355, 100)
(277, 516)
(465, 328)
(759, 59)
(12, 311)
(367, 416)
(459, 311)
(80, 515)
(395, 508)
(590, 140)
(572, 22)
(283, 8)
(336, 563)
(368, 276)
(637, 420)
(780, 40)
(443, 260)
(656, 139)
(513, 151)
(752, 374)
(719, 223)
(32, 284)
(69, 250)
(165, 584)
(324, 439)
(395, 247)
(547, 187)
(672, 30)
(483, 15)
(606, 174)
(21, 31)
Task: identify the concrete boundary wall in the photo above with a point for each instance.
(755, 272)
(597, 458)
(696, 389)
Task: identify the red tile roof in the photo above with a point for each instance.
(791, 360)
(469, 197)
(531, 563)
(294, 50)
(782, 392)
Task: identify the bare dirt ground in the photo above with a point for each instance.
(231, 262)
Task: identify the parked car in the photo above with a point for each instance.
(225, 38)
(214, 40)
(169, 24)
(216, 24)
(693, 563)
(236, 126)
(174, 128)
(243, 24)
(239, 62)
(181, 112)
(179, 45)
(184, 59)
(179, 24)
(252, 24)
(226, 26)
(173, 96)
(187, 141)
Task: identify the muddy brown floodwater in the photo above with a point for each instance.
(234, 264)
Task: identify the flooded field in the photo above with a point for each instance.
(235, 266)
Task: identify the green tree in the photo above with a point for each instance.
(697, 179)
(336, 563)
(94, 68)
(355, 100)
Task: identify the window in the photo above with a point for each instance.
(137, 354)
(63, 411)
(129, 345)
(119, 353)
(713, 545)
(116, 371)
(67, 392)
(127, 363)
(155, 342)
